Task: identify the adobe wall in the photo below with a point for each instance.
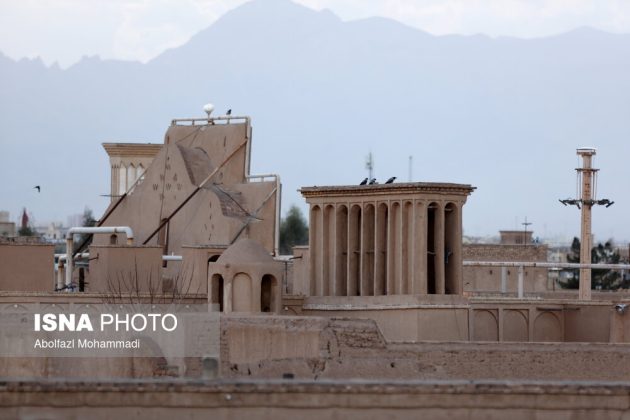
(453, 318)
(253, 347)
(298, 282)
(27, 267)
(120, 269)
(280, 400)
(488, 279)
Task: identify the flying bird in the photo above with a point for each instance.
(229, 112)
(38, 188)
(390, 180)
(372, 181)
(365, 181)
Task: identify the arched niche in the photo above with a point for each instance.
(217, 291)
(242, 293)
(268, 293)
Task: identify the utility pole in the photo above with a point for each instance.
(587, 184)
(369, 165)
(525, 224)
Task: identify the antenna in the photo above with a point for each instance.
(410, 168)
(369, 165)
(525, 224)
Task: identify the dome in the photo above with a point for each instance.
(246, 251)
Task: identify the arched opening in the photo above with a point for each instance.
(122, 179)
(216, 292)
(113, 239)
(431, 284)
(131, 175)
(419, 282)
(316, 256)
(407, 242)
(381, 264)
(341, 251)
(450, 249)
(213, 258)
(367, 254)
(268, 293)
(354, 251)
(242, 293)
(139, 171)
(394, 282)
(328, 250)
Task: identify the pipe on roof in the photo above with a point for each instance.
(93, 230)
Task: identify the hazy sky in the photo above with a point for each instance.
(66, 30)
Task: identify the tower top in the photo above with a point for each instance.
(586, 151)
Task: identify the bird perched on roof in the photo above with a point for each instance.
(390, 180)
(229, 112)
(365, 181)
(373, 181)
(38, 188)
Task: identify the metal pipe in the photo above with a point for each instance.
(520, 281)
(94, 230)
(63, 257)
(172, 258)
(276, 242)
(544, 265)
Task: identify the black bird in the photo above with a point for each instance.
(372, 181)
(364, 182)
(390, 180)
(38, 188)
(229, 112)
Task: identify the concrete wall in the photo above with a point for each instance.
(27, 267)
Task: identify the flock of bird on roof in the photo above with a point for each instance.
(373, 181)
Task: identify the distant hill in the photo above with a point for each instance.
(502, 114)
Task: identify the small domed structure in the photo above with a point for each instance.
(245, 278)
(245, 250)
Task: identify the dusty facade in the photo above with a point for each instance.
(378, 295)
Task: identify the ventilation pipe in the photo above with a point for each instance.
(94, 230)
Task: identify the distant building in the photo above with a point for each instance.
(53, 232)
(74, 220)
(7, 228)
(516, 237)
(515, 246)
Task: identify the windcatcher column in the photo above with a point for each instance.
(586, 245)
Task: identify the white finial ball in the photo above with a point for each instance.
(208, 108)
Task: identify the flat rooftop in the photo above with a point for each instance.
(396, 187)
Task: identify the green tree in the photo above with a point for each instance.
(26, 231)
(293, 231)
(603, 279)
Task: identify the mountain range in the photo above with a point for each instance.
(502, 114)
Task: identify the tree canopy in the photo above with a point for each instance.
(293, 230)
(601, 279)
